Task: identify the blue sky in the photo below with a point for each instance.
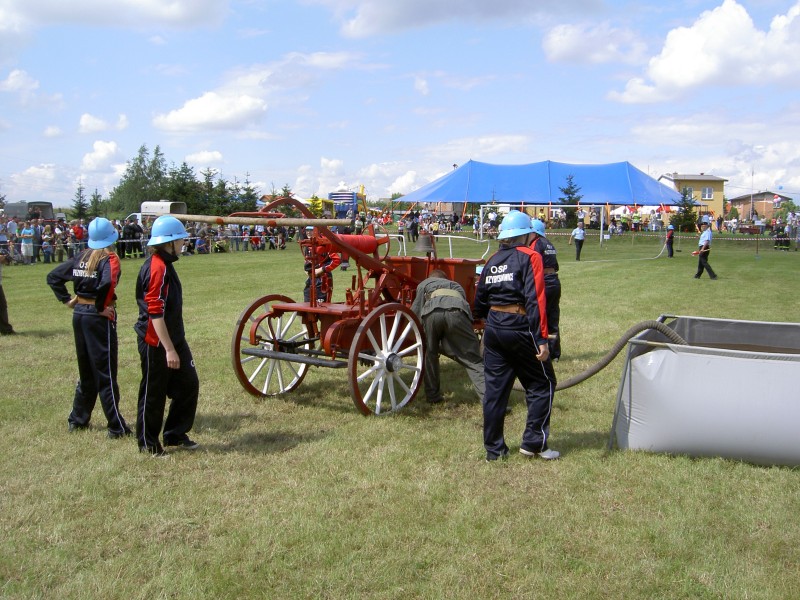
(333, 94)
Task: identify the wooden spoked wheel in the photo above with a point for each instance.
(386, 360)
(259, 327)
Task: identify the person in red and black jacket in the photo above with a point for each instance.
(167, 364)
(324, 263)
(510, 297)
(94, 274)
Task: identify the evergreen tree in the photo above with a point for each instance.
(182, 186)
(315, 205)
(685, 219)
(571, 196)
(96, 205)
(133, 188)
(80, 206)
(246, 196)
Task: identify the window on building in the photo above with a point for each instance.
(689, 192)
(708, 193)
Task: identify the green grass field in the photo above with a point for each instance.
(302, 497)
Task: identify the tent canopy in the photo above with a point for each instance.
(540, 183)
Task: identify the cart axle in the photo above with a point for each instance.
(296, 358)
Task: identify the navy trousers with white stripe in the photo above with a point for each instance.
(159, 381)
(96, 346)
(509, 355)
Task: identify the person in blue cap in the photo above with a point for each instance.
(94, 274)
(552, 285)
(168, 367)
(510, 297)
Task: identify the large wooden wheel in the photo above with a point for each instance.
(260, 327)
(386, 360)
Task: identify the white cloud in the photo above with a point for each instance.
(19, 82)
(481, 148)
(213, 111)
(101, 158)
(421, 85)
(129, 13)
(593, 44)
(91, 124)
(242, 99)
(205, 158)
(52, 131)
(122, 122)
(721, 48)
(362, 18)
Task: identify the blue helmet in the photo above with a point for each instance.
(101, 233)
(515, 223)
(671, 227)
(166, 228)
(538, 226)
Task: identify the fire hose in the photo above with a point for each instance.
(615, 349)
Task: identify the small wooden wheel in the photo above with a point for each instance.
(260, 327)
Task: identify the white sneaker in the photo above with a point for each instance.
(546, 455)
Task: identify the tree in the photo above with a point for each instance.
(143, 180)
(80, 206)
(571, 197)
(182, 186)
(96, 205)
(315, 205)
(685, 219)
(246, 197)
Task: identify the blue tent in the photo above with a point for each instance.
(540, 183)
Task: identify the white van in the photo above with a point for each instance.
(158, 208)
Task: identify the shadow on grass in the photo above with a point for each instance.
(274, 442)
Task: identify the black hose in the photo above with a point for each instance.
(611, 354)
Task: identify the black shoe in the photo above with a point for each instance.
(8, 332)
(185, 443)
(115, 435)
(714, 278)
(697, 276)
(495, 457)
(73, 427)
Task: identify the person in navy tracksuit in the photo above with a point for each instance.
(552, 285)
(94, 274)
(167, 364)
(511, 298)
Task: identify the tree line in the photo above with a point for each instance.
(147, 177)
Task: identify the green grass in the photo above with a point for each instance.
(302, 497)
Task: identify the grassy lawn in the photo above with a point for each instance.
(302, 497)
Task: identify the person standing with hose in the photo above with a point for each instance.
(670, 240)
(167, 364)
(511, 298)
(552, 285)
(94, 274)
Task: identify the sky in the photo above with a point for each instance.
(323, 95)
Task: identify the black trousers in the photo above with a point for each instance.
(552, 294)
(702, 265)
(159, 381)
(578, 248)
(508, 355)
(96, 347)
(5, 326)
